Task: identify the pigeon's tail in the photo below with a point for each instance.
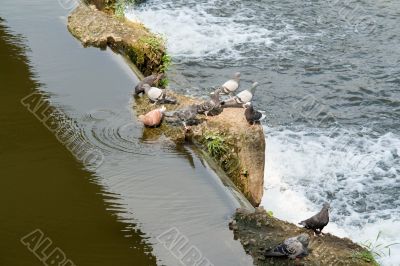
(273, 253)
(263, 116)
(168, 100)
(170, 114)
(232, 102)
(223, 90)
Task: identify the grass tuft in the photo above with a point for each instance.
(215, 143)
(366, 256)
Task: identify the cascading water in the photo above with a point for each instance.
(329, 83)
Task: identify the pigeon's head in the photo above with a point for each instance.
(253, 87)
(236, 76)
(326, 206)
(304, 239)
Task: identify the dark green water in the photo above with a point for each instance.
(42, 185)
(143, 186)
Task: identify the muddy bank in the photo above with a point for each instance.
(258, 231)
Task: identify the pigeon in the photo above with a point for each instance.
(241, 98)
(157, 95)
(318, 221)
(231, 85)
(153, 118)
(210, 105)
(252, 116)
(185, 116)
(293, 247)
(150, 80)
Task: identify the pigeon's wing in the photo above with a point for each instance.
(244, 96)
(154, 93)
(312, 222)
(231, 102)
(230, 86)
(150, 79)
(293, 247)
(257, 116)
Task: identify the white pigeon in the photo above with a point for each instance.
(231, 85)
(293, 247)
(241, 98)
(157, 95)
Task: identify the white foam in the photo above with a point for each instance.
(354, 171)
(196, 32)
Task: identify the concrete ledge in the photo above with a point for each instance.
(96, 28)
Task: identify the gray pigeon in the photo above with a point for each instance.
(212, 105)
(185, 116)
(318, 221)
(230, 86)
(293, 247)
(157, 95)
(150, 80)
(252, 116)
(241, 98)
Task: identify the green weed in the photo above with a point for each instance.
(216, 145)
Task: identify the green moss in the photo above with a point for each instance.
(215, 144)
(365, 256)
(166, 62)
(119, 9)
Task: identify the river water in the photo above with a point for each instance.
(329, 74)
(85, 173)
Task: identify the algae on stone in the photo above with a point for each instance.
(96, 28)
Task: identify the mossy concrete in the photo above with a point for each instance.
(258, 231)
(100, 29)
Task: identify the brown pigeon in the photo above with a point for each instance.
(318, 221)
(150, 80)
(153, 118)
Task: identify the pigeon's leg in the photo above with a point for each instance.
(184, 125)
(317, 232)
